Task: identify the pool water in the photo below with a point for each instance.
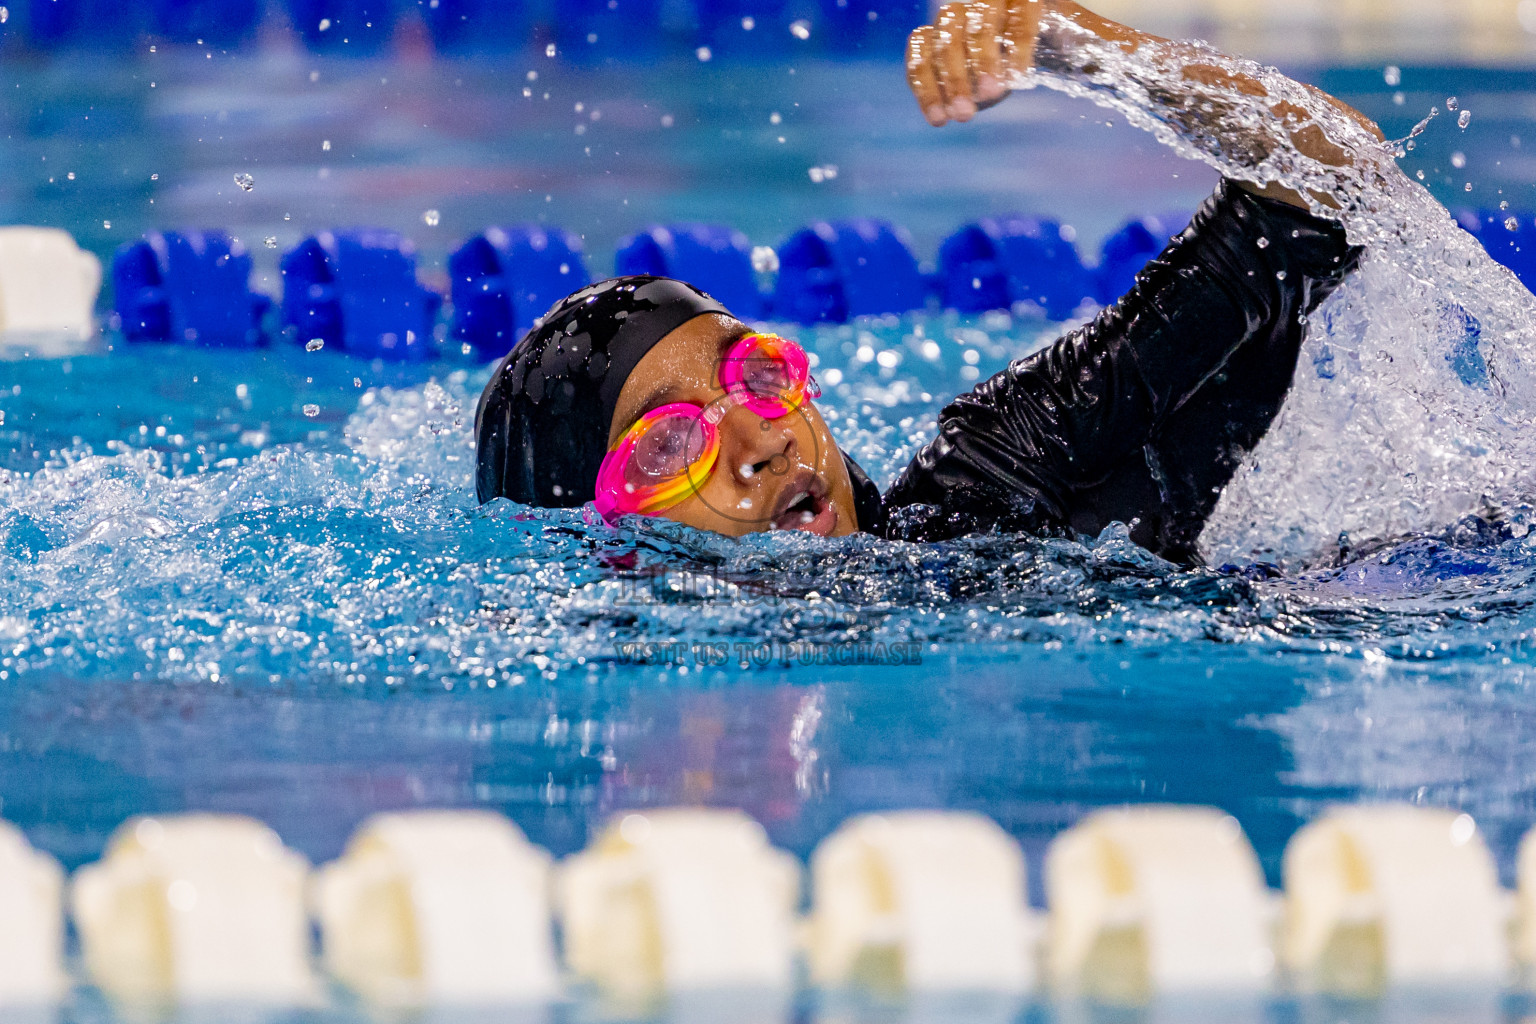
(259, 583)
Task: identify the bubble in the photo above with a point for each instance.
(1262, 243)
(1465, 119)
(5, 15)
(311, 410)
(270, 241)
(1504, 204)
(325, 24)
(1398, 99)
(431, 218)
(775, 118)
(314, 345)
(107, 224)
(764, 259)
(1392, 75)
(1279, 275)
(667, 120)
(549, 51)
(703, 53)
(800, 29)
(325, 145)
(748, 23)
(1458, 160)
(245, 181)
(1450, 103)
(825, 172)
(1511, 224)
(357, 382)
(154, 177)
(1467, 187)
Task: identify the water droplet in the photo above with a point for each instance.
(311, 411)
(744, 503)
(1458, 160)
(1279, 275)
(1511, 224)
(549, 51)
(703, 53)
(1465, 119)
(764, 259)
(431, 218)
(314, 345)
(245, 181)
(1262, 243)
(800, 29)
(1392, 75)
(270, 241)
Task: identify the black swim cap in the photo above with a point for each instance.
(541, 429)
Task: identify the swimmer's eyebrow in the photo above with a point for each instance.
(669, 392)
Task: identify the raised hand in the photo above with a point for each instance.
(964, 61)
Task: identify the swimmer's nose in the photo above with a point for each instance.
(758, 451)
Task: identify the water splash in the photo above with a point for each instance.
(1392, 439)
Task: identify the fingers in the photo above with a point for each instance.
(985, 23)
(964, 61)
(950, 61)
(1021, 29)
(921, 76)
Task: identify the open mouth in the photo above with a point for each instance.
(804, 507)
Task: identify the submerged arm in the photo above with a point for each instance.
(974, 53)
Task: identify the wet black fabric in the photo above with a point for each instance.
(1143, 415)
(541, 429)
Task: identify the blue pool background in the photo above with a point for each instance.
(167, 509)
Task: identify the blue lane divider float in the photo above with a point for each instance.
(997, 261)
(506, 278)
(358, 290)
(712, 257)
(833, 270)
(1125, 252)
(189, 287)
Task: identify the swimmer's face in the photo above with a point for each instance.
(783, 474)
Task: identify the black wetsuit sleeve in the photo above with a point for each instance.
(1022, 449)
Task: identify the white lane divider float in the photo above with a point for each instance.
(196, 908)
(439, 907)
(921, 901)
(1380, 896)
(48, 284)
(674, 901)
(1154, 900)
(31, 923)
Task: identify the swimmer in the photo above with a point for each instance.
(643, 395)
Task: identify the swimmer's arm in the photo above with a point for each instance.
(966, 59)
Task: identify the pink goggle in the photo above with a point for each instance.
(671, 451)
